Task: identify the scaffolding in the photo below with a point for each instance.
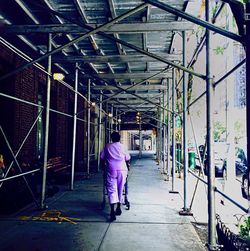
(108, 120)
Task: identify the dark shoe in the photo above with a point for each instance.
(112, 217)
(118, 211)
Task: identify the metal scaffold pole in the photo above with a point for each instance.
(119, 123)
(99, 132)
(168, 130)
(185, 211)
(164, 133)
(88, 130)
(46, 137)
(108, 125)
(140, 141)
(212, 245)
(173, 134)
(157, 140)
(107, 134)
(111, 119)
(116, 112)
(247, 20)
(160, 132)
(74, 128)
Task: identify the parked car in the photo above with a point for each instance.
(219, 156)
(240, 163)
(245, 185)
(220, 161)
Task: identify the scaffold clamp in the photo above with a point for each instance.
(247, 16)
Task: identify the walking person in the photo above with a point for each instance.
(114, 155)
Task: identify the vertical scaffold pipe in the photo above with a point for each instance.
(173, 132)
(116, 128)
(248, 85)
(164, 132)
(99, 132)
(107, 134)
(185, 153)
(119, 123)
(88, 130)
(74, 128)
(158, 138)
(210, 156)
(168, 129)
(160, 131)
(46, 138)
(112, 119)
(140, 141)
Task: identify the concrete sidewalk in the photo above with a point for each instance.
(75, 221)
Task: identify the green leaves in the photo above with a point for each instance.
(245, 228)
(219, 50)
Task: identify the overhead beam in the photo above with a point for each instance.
(139, 105)
(98, 31)
(168, 62)
(136, 104)
(141, 109)
(134, 88)
(132, 101)
(116, 28)
(196, 20)
(133, 94)
(140, 75)
(116, 58)
(120, 48)
(134, 109)
(128, 95)
(74, 41)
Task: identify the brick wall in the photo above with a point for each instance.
(17, 117)
(81, 136)
(63, 142)
(26, 88)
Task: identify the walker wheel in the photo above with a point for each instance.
(128, 205)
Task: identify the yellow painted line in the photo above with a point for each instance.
(50, 215)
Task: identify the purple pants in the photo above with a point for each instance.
(115, 185)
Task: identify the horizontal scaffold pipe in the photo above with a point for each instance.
(130, 87)
(148, 123)
(40, 106)
(38, 66)
(196, 20)
(127, 28)
(119, 41)
(20, 175)
(74, 41)
(27, 58)
(133, 94)
(133, 109)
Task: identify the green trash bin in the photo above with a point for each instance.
(191, 157)
(178, 156)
